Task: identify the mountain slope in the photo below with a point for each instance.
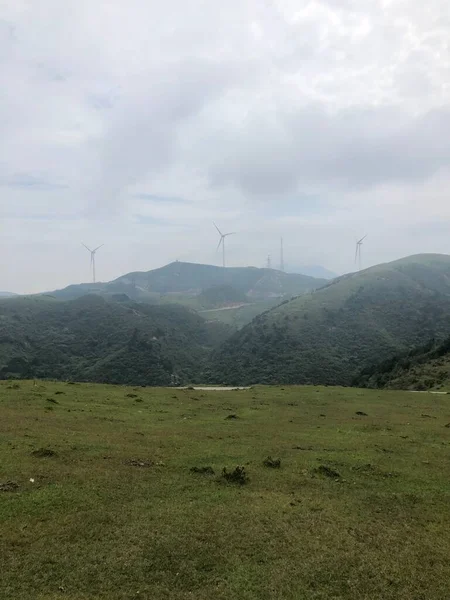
(313, 271)
(192, 279)
(422, 368)
(90, 339)
(329, 335)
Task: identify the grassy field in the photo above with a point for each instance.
(98, 501)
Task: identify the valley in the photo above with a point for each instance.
(239, 332)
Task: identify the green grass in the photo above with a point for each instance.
(93, 526)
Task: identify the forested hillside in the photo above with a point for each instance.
(422, 368)
(328, 336)
(90, 339)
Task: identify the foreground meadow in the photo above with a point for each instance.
(100, 498)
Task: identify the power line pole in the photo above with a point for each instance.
(281, 256)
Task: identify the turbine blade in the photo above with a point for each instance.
(362, 239)
(220, 233)
(356, 253)
(95, 250)
(220, 242)
(89, 250)
(231, 233)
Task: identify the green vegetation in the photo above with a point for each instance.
(329, 335)
(90, 339)
(114, 493)
(221, 295)
(180, 277)
(201, 287)
(424, 368)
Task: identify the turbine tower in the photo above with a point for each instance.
(358, 252)
(281, 256)
(222, 241)
(92, 253)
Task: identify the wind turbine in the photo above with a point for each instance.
(358, 252)
(222, 241)
(281, 256)
(92, 253)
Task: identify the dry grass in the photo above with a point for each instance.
(114, 511)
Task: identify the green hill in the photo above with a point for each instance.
(90, 339)
(423, 368)
(220, 296)
(329, 335)
(202, 287)
(191, 279)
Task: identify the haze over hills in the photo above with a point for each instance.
(192, 279)
(92, 339)
(354, 321)
(203, 288)
(313, 271)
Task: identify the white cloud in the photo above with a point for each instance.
(320, 121)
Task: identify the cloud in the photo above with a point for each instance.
(137, 124)
(29, 182)
(352, 148)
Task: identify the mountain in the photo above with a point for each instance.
(203, 287)
(191, 279)
(91, 339)
(314, 271)
(220, 296)
(7, 294)
(423, 368)
(329, 335)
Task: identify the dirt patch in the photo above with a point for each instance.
(58, 392)
(369, 469)
(272, 463)
(44, 453)
(327, 472)
(425, 416)
(9, 486)
(202, 470)
(237, 475)
(52, 400)
(232, 417)
(360, 413)
(131, 396)
(137, 462)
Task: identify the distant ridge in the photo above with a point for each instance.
(193, 279)
(313, 271)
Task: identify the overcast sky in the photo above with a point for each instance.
(136, 123)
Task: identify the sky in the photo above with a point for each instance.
(137, 124)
